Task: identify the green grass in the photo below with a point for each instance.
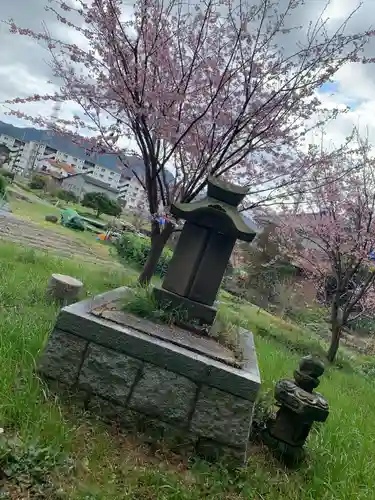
(23, 188)
(106, 465)
(36, 212)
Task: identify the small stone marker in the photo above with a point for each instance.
(299, 408)
(64, 289)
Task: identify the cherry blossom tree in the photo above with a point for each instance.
(205, 89)
(332, 237)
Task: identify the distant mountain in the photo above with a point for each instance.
(135, 164)
(64, 144)
(60, 143)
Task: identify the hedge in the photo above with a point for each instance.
(67, 196)
(3, 186)
(134, 249)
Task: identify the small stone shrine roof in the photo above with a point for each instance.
(222, 200)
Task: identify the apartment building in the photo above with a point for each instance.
(31, 148)
(132, 193)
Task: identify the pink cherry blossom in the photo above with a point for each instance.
(207, 90)
(330, 232)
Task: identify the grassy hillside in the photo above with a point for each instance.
(86, 460)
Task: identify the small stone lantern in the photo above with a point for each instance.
(199, 261)
(300, 407)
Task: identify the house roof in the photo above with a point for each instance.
(64, 166)
(54, 175)
(96, 182)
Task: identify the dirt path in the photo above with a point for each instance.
(16, 230)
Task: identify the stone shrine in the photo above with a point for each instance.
(300, 407)
(196, 270)
(158, 378)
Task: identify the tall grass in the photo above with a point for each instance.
(107, 465)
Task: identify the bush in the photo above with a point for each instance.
(37, 182)
(3, 185)
(7, 174)
(102, 204)
(67, 196)
(135, 249)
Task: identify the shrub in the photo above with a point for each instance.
(37, 182)
(102, 204)
(67, 196)
(134, 249)
(7, 174)
(3, 185)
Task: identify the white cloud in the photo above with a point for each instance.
(355, 90)
(24, 69)
(339, 10)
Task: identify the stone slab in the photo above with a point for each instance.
(148, 429)
(211, 450)
(78, 320)
(176, 335)
(107, 410)
(67, 393)
(164, 394)
(222, 417)
(62, 357)
(108, 373)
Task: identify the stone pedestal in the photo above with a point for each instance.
(154, 382)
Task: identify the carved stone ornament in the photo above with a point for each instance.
(299, 408)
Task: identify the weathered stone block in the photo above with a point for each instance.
(212, 451)
(197, 366)
(108, 373)
(222, 417)
(150, 430)
(106, 410)
(68, 394)
(164, 394)
(62, 357)
(149, 382)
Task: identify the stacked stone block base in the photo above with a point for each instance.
(153, 386)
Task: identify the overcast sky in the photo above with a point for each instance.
(24, 69)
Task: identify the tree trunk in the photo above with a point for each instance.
(336, 324)
(158, 242)
(335, 342)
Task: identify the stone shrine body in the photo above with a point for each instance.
(203, 251)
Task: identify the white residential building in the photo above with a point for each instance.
(22, 153)
(34, 150)
(28, 156)
(132, 193)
